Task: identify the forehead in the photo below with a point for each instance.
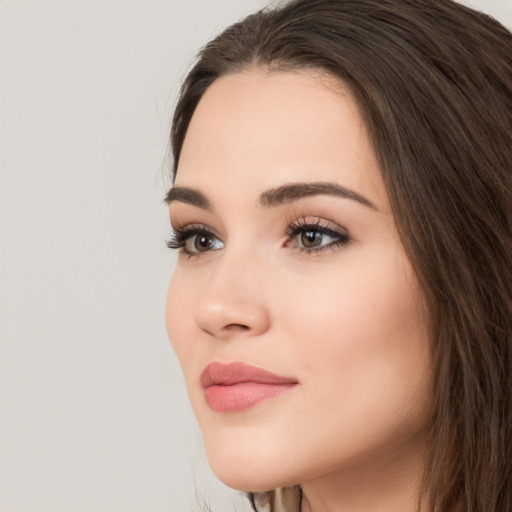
(263, 129)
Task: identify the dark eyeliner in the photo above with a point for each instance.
(341, 238)
(179, 236)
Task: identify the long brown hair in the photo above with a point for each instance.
(433, 80)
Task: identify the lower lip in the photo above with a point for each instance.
(243, 395)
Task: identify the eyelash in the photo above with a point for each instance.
(341, 239)
(180, 236)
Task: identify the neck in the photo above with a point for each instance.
(387, 483)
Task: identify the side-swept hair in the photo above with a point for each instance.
(433, 81)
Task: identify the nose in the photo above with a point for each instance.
(231, 304)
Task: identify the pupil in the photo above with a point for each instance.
(203, 243)
(311, 238)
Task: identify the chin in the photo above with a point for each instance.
(252, 482)
(245, 483)
(249, 472)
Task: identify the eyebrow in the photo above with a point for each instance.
(294, 191)
(188, 196)
(274, 197)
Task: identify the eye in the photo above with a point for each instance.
(315, 236)
(312, 238)
(194, 240)
(201, 242)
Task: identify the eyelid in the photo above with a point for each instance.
(339, 233)
(315, 220)
(180, 235)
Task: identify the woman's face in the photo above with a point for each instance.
(291, 263)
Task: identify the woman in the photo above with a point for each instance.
(341, 305)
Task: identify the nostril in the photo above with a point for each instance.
(237, 327)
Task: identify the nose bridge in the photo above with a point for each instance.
(231, 303)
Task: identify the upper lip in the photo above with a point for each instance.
(227, 374)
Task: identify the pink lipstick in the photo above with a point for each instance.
(235, 387)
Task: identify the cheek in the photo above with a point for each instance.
(359, 298)
(363, 325)
(364, 360)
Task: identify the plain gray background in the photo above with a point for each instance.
(93, 412)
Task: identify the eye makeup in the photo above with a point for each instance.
(194, 240)
(310, 235)
(315, 236)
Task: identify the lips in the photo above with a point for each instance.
(237, 386)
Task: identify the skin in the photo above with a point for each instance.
(347, 323)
